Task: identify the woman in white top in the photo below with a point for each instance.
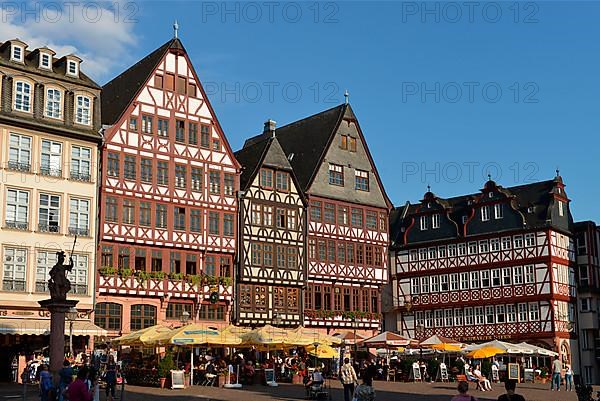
(569, 378)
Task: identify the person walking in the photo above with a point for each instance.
(79, 390)
(65, 376)
(569, 378)
(463, 389)
(45, 383)
(365, 391)
(348, 378)
(110, 378)
(510, 387)
(556, 369)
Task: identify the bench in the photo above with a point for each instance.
(463, 378)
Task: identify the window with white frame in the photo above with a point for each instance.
(49, 213)
(336, 174)
(439, 318)
(19, 152)
(454, 282)
(494, 244)
(53, 103)
(442, 251)
(431, 252)
(22, 96)
(462, 249)
(529, 240)
(496, 278)
(79, 216)
(79, 274)
(72, 67)
(464, 281)
(529, 274)
(14, 269)
(586, 304)
(475, 280)
(584, 275)
(420, 318)
(51, 158)
(479, 316)
(83, 107)
(361, 179)
(81, 161)
(444, 283)
(17, 53)
(451, 250)
(469, 318)
(424, 285)
(506, 275)
(485, 279)
(422, 254)
(45, 260)
(500, 314)
(534, 312)
(435, 284)
(423, 222)
(523, 315)
(45, 61)
(448, 317)
(518, 274)
(518, 241)
(414, 285)
(256, 214)
(485, 213)
(483, 246)
(428, 318)
(472, 248)
(17, 209)
(498, 211)
(489, 314)
(435, 221)
(413, 255)
(511, 313)
(506, 243)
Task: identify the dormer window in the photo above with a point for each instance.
(561, 208)
(423, 221)
(45, 61)
(72, 68)
(83, 110)
(498, 211)
(435, 221)
(17, 53)
(485, 213)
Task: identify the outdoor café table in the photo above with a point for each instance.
(199, 376)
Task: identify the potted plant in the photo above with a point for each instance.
(164, 369)
(544, 375)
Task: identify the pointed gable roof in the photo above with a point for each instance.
(122, 90)
(254, 155)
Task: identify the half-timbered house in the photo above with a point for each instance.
(347, 233)
(168, 206)
(498, 264)
(271, 270)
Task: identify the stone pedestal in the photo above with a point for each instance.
(57, 309)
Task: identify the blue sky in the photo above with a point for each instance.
(443, 94)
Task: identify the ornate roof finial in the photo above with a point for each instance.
(346, 96)
(428, 188)
(175, 29)
(557, 171)
(489, 177)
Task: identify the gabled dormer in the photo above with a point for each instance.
(494, 209)
(43, 58)
(72, 66)
(14, 50)
(558, 210)
(431, 220)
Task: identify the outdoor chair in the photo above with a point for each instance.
(391, 375)
(209, 380)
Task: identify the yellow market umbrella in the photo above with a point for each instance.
(140, 337)
(303, 336)
(322, 351)
(266, 336)
(446, 347)
(227, 337)
(485, 352)
(191, 334)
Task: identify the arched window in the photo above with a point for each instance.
(142, 316)
(108, 315)
(83, 110)
(53, 103)
(23, 96)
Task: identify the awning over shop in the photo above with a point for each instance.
(42, 327)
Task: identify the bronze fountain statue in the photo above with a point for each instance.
(58, 284)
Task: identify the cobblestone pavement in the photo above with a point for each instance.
(386, 391)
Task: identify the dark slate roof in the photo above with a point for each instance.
(250, 157)
(266, 152)
(307, 140)
(31, 65)
(537, 195)
(120, 92)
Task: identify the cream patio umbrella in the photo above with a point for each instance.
(303, 336)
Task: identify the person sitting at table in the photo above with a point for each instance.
(249, 372)
(485, 383)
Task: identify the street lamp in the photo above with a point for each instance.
(185, 316)
(71, 316)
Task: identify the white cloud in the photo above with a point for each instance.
(101, 33)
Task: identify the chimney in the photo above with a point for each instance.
(270, 128)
